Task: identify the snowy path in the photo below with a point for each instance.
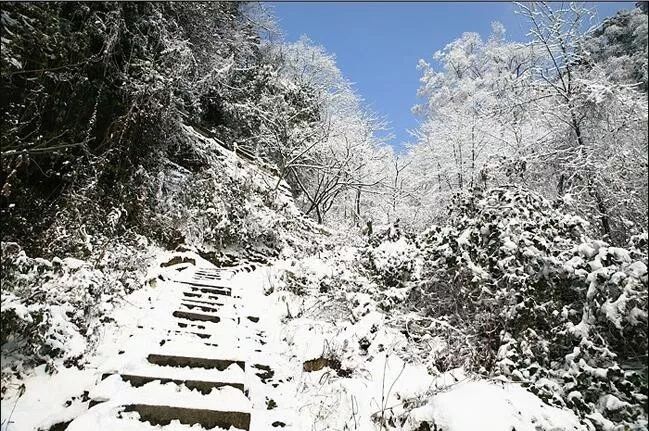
(204, 353)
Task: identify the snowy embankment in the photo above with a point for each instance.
(325, 363)
(356, 371)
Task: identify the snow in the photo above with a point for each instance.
(73, 263)
(486, 406)
(478, 271)
(44, 395)
(637, 269)
(378, 384)
(509, 245)
(9, 303)
(612, 403)
(118, 392)
(375, 391)
(105, 417)
(360, 332)
(40, 408)
(465, 238)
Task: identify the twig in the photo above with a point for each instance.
(21, 391)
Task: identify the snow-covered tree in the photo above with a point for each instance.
(595, 127)
(542, 114)
(326, 157)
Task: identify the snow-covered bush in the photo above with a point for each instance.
(390, 257)
(52, 308)
(548, 306)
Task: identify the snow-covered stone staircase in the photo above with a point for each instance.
(198, 357)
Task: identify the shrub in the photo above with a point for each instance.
(547, 305)
(390, 257)
(52, 308)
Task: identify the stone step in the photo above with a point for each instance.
(200, 317)
(207, 278)
(141, 367)
(195, 298)
(205, 295)
(210, 303)
(163, 415)
(224, 337)
(225, 312)
(134, 416)
(207, 275)
(206, 288)
(226, 329)
(213, 271)
(190, 325)
(119, 405)
(223, 318)
(202, 386)
(193, 362)
(202, 307)
(219, 272)
(222, 272)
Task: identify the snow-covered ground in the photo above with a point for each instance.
(311, 363)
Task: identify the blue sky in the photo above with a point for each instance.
(377, 45)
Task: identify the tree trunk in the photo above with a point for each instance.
(561, 185)
(592, 190)
(602, 209)
(472, 154)
(358, 204)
